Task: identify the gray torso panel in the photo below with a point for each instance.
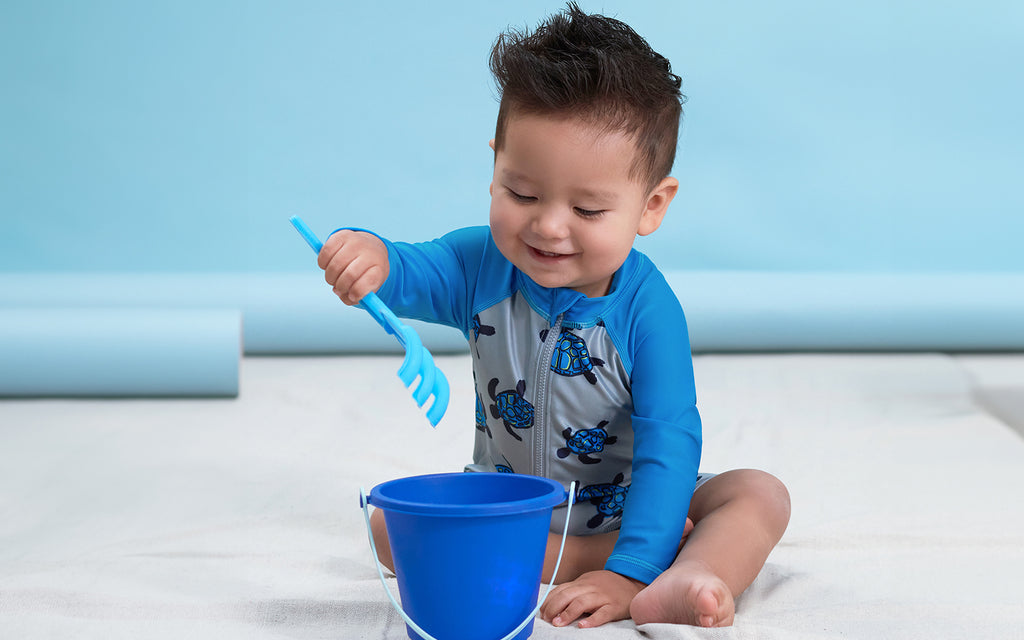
(553, 400)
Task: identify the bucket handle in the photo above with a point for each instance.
(365, 504)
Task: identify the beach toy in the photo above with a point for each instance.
(468, 550)
(418, 362)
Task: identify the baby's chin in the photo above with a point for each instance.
(546, 280)
(549, 281)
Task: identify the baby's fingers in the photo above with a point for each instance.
(358, 283)
(331, 247)
(602, 615)
(578, 606)
(556, 602)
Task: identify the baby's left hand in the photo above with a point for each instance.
(605, 595)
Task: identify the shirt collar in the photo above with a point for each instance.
(578, 308)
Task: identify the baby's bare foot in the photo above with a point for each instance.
(685, 595)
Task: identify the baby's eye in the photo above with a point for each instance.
(518, 197)
(589, 213)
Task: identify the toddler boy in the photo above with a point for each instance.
(580, 351)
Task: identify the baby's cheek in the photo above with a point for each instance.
(503, 234)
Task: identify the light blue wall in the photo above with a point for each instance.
(819, 136)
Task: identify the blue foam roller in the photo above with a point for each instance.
(296, 313)
(742, 311)
(114, 352)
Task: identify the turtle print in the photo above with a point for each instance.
(504, 468)
(608, 498)
(571, 356)
(585, 442)
(480, 328)
(511, 407)
(481, 418)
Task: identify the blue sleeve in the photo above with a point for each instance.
(434, 281)
(666, 437)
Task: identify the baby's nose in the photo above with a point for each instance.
(551, 222)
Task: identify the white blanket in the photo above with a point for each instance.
(240, 518)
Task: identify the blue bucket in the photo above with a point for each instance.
(468, 550)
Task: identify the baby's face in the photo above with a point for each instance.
(564, 209)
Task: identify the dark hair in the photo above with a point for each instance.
(596, 68)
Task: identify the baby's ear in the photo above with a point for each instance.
(657, 204)
(491, 144)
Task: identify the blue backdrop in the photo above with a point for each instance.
(179, 136)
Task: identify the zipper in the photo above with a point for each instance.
(540, 402)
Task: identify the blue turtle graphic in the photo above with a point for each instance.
(480, 329)
(481, 418)
(511, 407)
(585, 442)
(608, 498)
(571, 356)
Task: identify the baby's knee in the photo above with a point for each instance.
(755, 490)
(769, 493)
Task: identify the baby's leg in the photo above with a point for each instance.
(582, 554)
(739, 517)
(380, 539)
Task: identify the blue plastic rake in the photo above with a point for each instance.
(418, 362)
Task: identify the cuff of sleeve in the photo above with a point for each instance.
(633, 568)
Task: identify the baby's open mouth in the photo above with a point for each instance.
(548, 254)
(538, 252)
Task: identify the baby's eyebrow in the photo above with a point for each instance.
(512, 174)
(597, 194)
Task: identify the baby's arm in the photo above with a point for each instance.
(354, 263)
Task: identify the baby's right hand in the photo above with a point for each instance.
(354, 263)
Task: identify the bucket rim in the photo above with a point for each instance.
(555, 495)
